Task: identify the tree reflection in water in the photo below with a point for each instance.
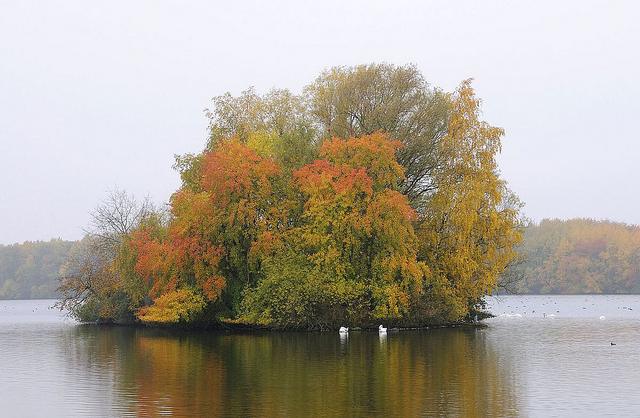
(452, 372)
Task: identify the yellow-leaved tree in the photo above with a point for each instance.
(470, 225)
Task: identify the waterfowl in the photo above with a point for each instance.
(602, 318)
(382, 329)
(612, 343)
(343, 330)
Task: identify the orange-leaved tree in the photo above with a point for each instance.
(207, 245)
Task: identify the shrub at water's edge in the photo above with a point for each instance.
(371, 198)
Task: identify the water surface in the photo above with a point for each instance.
(525, 363)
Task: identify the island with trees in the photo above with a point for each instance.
(370, 197)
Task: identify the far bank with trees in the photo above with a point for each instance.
(577, 256)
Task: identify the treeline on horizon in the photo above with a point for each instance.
(30, 270)
(370, 197)
(577, 256)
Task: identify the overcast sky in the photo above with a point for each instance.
(99, 95)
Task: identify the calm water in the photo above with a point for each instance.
(522, 364)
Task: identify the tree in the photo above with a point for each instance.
(91, 285)
(208, 243)
(470, 226)
(276, 125)
(116, 217)
(89, 289)
(346, 102)
(360, 100)
(352, 255)
(279, 112)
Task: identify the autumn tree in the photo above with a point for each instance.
(352, 256)
(279, 112)
(347, 102)
(276, 125)
(91, 284)
(470, 225)
(208, 243)
(360, 100)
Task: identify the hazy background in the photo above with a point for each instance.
(97, 95)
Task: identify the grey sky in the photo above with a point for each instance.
(97, 95)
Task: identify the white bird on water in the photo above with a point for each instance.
(343, 330)
(602, 318)
(382, 330)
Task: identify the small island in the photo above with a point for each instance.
(372, 197)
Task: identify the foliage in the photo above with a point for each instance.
(295, 295)
(208, 244)
(279, 112)
(90, 290)
(345, 102)
(277, 125)
(29, 270)
(470, 225)
(360, 100)
(370, 197)
(174, 306)
(352, 255)
(579, 256)
(93, 283)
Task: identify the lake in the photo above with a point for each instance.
(526, 362)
